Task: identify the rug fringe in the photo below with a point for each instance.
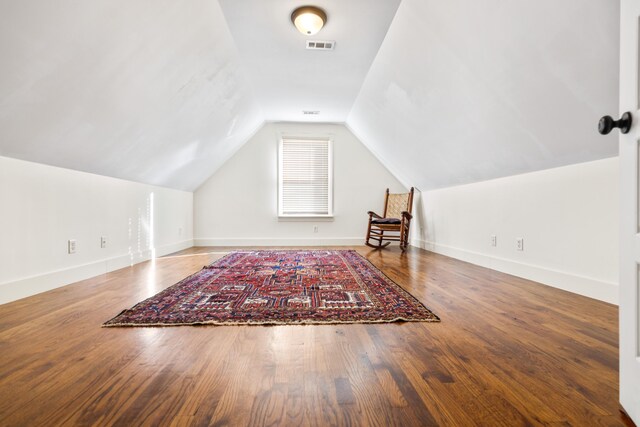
(274, 323)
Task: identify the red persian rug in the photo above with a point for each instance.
(280, 287)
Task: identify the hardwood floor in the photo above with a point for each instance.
(508, 352)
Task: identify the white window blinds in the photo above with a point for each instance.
(305, 177)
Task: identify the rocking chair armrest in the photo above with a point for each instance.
(406, 215)
(373, 215)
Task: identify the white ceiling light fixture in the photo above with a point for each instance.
(309, 19)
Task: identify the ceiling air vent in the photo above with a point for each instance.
(320, 45)
(310, 112)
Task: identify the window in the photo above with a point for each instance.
(305, 177)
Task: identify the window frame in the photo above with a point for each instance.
(325, 138)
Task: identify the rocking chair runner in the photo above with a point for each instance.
(394, 224)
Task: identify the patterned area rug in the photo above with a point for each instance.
(280, 287)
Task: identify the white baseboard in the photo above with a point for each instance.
(593, 288)
(276, 241)
(174, 247)
(587, 286)
(22, 288)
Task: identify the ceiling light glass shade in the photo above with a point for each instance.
(308, 19)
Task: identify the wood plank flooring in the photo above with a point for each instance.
(508, 352)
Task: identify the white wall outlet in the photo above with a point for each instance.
(71, 246)
(520, 244)
(103, 242)
(494, 240)
(315, 228)
(179, 231)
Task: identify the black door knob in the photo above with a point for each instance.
(606, 124)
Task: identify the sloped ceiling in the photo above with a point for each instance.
(443, 92)
(287, 78)
(145, 90)
(463, 91)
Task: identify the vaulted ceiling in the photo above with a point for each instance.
(443, 92)
(463, 91)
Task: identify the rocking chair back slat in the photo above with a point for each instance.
(396, 204)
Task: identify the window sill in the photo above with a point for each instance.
(303, 218)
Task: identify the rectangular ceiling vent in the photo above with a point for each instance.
(320, 45)
(310, 112)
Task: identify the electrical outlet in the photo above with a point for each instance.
(315, 228)
(71, 246)
(520, 244)
(179, 231)
(494, 240)
(103, 242)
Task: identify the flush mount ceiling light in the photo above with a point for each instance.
(309, 19)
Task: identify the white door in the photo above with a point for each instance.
(630, 211)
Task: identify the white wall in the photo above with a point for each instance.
(238, 204)
(42, 207)
(568, 217)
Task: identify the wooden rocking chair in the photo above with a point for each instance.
(394, 223)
